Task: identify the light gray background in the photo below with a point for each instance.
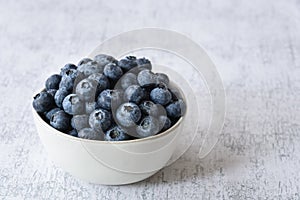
(255, 45)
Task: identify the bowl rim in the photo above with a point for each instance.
(153, 137)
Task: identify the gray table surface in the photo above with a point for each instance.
(256, 47)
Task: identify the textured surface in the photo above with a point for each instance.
(256, 47)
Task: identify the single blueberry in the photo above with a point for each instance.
(135, 94)
(43, 102)
(70, 79)
(60, 95)
(66, 68)
(127, 63)
(144, 63)
(90, 68)
(53, 82)
(103, 82)
(127, 80)
(109, 98)
(51, 112)
(112, 71)
(128, 114)
(90, 107)
(161, 95)
(165, 122)
(61, 121)
(176, 109)
(115, 134)
(89, 133)
(52, 92)
(84, 61)
(79, 122)
(73, 105)
(150, 108)
(73, 133)
(87, 89)
(103, 59)
(162, 79)
(146, 78)
(100, 120)
(148, 126)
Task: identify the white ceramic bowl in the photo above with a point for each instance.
(104, 162)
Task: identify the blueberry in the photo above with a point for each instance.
(128, 114)
(135, 94)
(148, 126)
(90, 68)
(43, 102)
(70, 79)
(165, 122)
(144, 63)
(161, 95)
(51, 112)
(112, 71)
(61, 121)
(109, 98)
(115, 134)
(73, 133)
(87, 89)
(150, 108)
(103, 82)
(162, 78)
(73, 105)
(127, 80)
(60, 95)
(127, 63)
(103, 59)
(89, 133)
(79, 122)
(53, 82)
(90, 107)
(84, 61)
(66, 68)
(52, 92)
(100, 120)
(146, 78)
(176, 109)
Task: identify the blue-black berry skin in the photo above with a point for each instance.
(84, 61)
(116, 134)
(51, 112)
(53, 82)
(176, 109)
(109, 98)
(73, 105)
(103, 82)
(87, 89)
(90, 68)
(52, 92)
(73, 133)
(127, 80)
(113, 72)
(150, 108)
(79, 122)
(66, 68)
(162, 78)
(128, 114)
(146, 78)
(161, 95)
(90, 107)
(135, 94)
(148, 126)
(103, 59)
(89, 133)
(144, 63)
(61, 121)
(43, 102)
(100, 120)
(70, 79)
(165, 122)
(127, 63)
(60, 96)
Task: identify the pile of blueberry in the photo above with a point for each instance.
(107, 99)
